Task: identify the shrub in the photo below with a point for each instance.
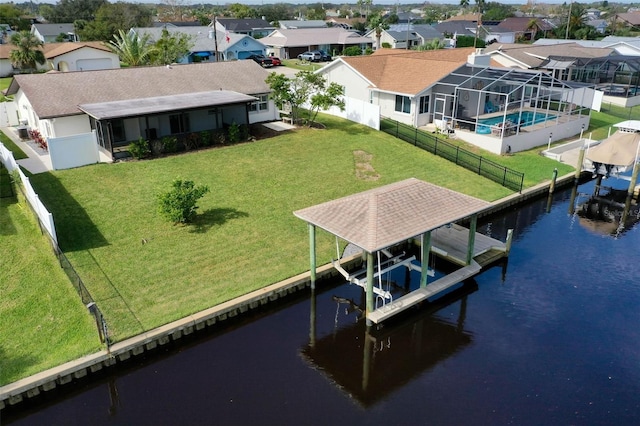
(205, 138)
(169, 144)
(368, 51)
(178, 204)
(386, 45)
(352, 51)
(234, 133)
(192, 141)
(139, 149)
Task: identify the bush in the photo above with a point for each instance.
(386, 45)
(139, 149)
(169, 144)
(368, 51)
(178, 204)
(234, 133)
(352, 51)
(205, 138)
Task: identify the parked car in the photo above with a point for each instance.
(310, 56)
(276, 61)
(262, 60)
(324, 56)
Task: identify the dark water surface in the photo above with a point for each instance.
(555, 341)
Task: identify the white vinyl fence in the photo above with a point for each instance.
(45, 218)
(357, 111)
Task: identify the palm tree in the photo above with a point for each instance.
(28, 51)
(377, 23)
(132, 49)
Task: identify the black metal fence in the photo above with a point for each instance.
(75, 280)
(505, 176)
(627, 113)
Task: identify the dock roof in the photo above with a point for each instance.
(384, 216)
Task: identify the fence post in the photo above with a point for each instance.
(504, 177)
(457, 154)
(415, 138)
(435, 147)
(397, 128)
(480, 166)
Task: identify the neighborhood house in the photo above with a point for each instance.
(86, 116)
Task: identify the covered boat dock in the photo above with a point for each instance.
(380, 219)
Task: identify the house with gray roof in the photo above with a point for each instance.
(256, 28)
(617, 76)
(84, 114)
(207, 42)
(296, 24)
(51, 33)
(401, 36)
(288, 43)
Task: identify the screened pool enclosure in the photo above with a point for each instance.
(508, 110)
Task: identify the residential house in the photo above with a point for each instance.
(626, 46)
(527, 28)
(500, 110)
(630, 20)
(599, 24)
(403, 36)
(52, 33)
(256, 28)
(78, 56)
(301, 24)
(617, 76)
(488, 33)
(346, 23)
(207, 42)
(83, 115)
(287, 43)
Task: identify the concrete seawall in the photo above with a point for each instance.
(48, 380)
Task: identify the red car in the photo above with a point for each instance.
(276, 61)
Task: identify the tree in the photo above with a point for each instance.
(113, 17)
(305, 86)
(12, 16)
(376, 22)
(171, 47)
(132, 49)
(241, 11)
(71, 10)
(179, 204)
(28, 51)
(434, 44)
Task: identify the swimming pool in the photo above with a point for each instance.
(526, 118)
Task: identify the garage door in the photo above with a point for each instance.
(93, 64)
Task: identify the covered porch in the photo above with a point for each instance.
(381, 220)
(118, 123)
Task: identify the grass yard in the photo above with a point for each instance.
(144, 272)
(18, 154)
(43, 323)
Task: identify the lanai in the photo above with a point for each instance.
(380, 218)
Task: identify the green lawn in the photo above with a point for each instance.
(245, 236)
(43, 323)
(18, 154)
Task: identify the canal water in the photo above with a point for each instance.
(551, 337)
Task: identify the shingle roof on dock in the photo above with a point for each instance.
(390, 214)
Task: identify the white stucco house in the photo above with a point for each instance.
(207, 41)
(78, 56)
(500, 110)
(85, 114)
(51, 33)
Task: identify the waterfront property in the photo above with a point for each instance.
(380, 221)
(456, 90)
(91, 116)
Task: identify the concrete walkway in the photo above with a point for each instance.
(39, 160)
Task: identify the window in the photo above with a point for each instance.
(262, 104)
(403, 104)
(424, 104)
(179, 123)
(117, 130)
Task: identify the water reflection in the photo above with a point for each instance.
(610, 212)
(370, 363)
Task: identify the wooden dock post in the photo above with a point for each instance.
(369, 293)
(472, 238)
(552, 187)
(425, 247)
(580, 163)
(312, 254)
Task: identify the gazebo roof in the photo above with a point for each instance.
(384, 216)
(619, 149)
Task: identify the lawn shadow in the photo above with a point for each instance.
(74, 228)
(6, 224)
(214, 217)
(13, 367)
